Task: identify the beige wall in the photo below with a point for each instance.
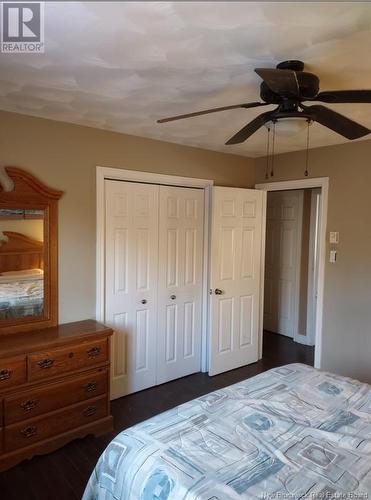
(347, 298)
(65, 156)
(34, 228)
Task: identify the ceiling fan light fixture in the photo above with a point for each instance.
(289, 126)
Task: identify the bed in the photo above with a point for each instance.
(21, 296)
(291, 432)
(21, 276)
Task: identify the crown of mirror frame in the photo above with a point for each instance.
(28, 252)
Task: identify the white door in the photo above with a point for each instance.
(282, 262)
(181, 226)
(131, 283)
(236, 246)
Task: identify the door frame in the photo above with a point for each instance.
(314, 238)
(315, 182)
(120, 174)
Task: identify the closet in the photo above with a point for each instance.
(153, 282)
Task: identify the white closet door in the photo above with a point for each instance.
(131, 283)
(236, 246)
(282, 263)
(180, 282)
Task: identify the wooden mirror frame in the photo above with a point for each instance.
(30, 193)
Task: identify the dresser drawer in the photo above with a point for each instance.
(43, 365)
(12, 372)
(40, 428)
(42, 400)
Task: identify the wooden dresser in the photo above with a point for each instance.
(54, 387)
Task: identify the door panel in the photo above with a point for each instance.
(227, 251)
(225, 325)
(247, 264)
(246, 312)
(235, 275)
(171, 333)
(131, 277)
(180, 282)
(119, 346)
(189, 329)
(141, 344)
(282, 261)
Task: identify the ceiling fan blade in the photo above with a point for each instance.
(336, 122)
(251, 127)
(344, 96)
(213, 110)
(281, 81)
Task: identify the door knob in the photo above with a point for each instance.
(218, 291)
(173, 297)
(143, 301)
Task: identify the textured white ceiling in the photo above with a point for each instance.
(122, 65)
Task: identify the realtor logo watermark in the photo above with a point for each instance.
(22, 27)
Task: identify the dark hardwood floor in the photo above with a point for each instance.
(62, 475)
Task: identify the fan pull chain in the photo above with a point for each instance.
(273, 144)
(306, 173)
(268, 148)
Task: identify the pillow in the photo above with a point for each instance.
(24, 272)
(20, 278)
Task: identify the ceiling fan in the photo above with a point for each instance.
(288, 86)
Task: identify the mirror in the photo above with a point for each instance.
(21, 263)
(28, 252)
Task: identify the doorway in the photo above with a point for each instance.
(291, 258)
(295, 251)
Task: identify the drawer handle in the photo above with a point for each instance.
(94, 351)
(91, 386)
(29, 405)
(5, 374)
(46, 363)
(89, 411)
(28, 432)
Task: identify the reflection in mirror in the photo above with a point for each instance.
(21, 264)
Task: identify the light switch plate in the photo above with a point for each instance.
(333, 256)
(334, 237)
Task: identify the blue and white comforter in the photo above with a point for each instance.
(20, 298)
(291, 432)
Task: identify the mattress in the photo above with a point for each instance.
(291, 432)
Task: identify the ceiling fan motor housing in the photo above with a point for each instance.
(308, 88)
(293, 64)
